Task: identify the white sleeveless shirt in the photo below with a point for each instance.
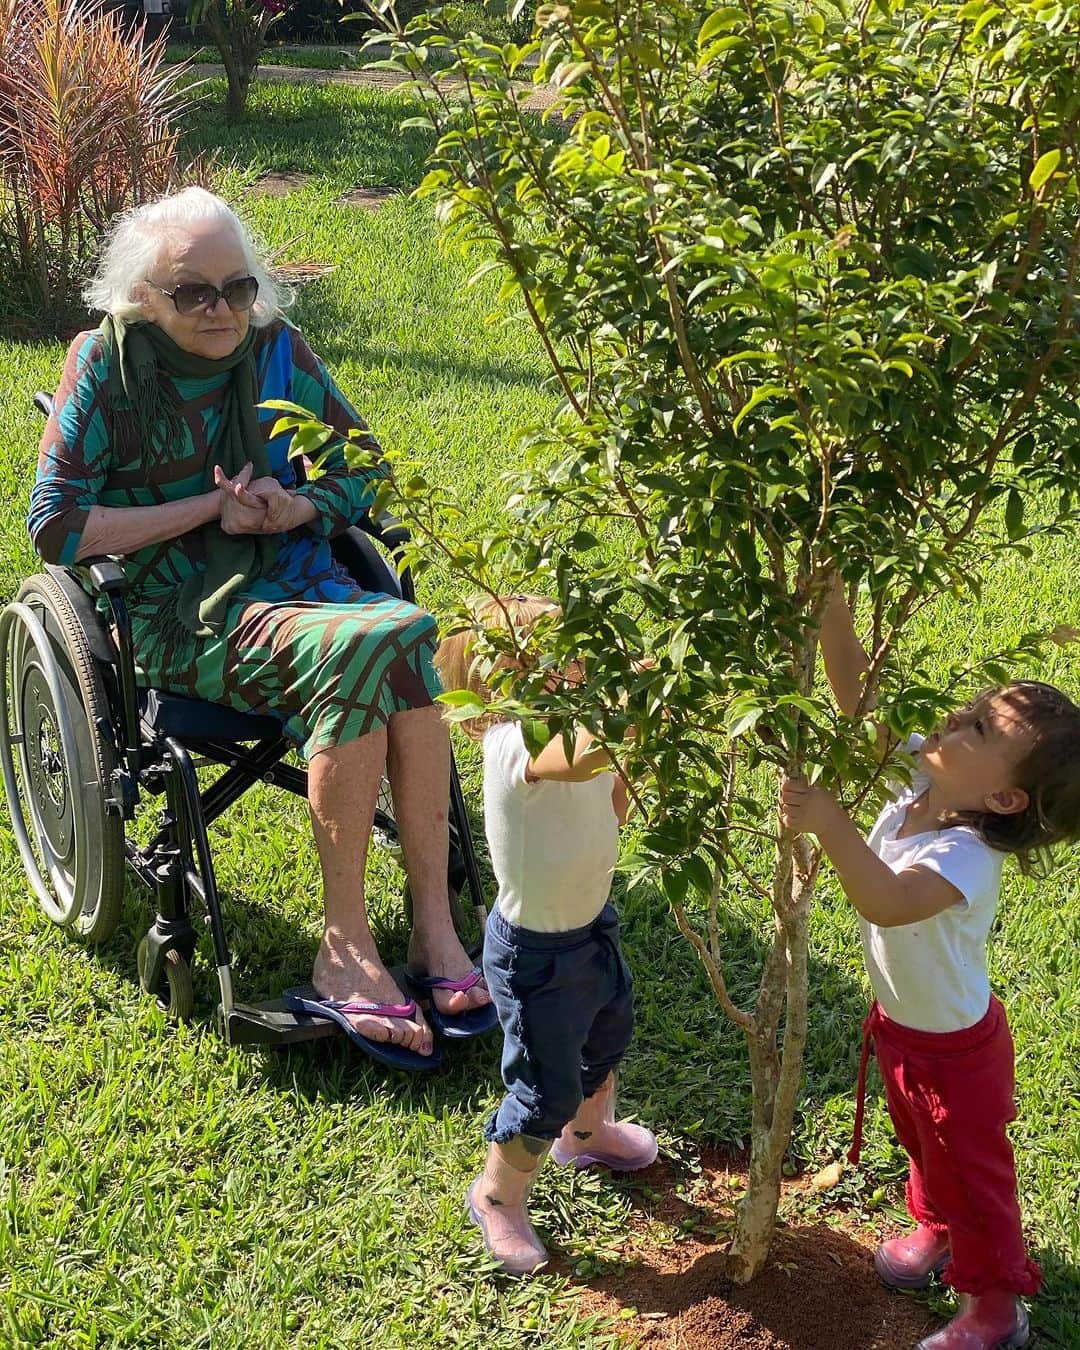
(553, 845)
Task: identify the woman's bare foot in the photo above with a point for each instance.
(439, 952)
(343, 971)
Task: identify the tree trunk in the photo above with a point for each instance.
(239, 55)
(239, 82)
(775, 1076)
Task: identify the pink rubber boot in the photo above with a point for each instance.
(993, 1321)
(911, 1260)
(497, 1202)
(593, 1136)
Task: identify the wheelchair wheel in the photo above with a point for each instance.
(175, 995)
(57, 758)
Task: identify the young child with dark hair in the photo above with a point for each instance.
(1002, 775)
(552, 960)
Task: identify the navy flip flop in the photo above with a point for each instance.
(454, 1026)
(304, 999)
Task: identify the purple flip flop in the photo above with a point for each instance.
(304, 999)
(454, 1026)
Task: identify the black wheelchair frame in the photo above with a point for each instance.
(82, 742)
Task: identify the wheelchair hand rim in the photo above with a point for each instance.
(60, 901)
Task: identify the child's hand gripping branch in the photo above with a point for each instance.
(998, 777)
(882, 896)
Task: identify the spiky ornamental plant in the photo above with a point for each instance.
(806, 278)
(87, 128)
(238, 29)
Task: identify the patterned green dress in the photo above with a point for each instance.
(302, 642)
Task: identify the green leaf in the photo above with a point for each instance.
(674, 882)
(571, 73)
(759, 396)
(718, 22)
(1045, 168)
(699, 874)
(744, 720)
(1014, 514)
(462, 698)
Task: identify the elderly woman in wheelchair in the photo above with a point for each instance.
(230, 595)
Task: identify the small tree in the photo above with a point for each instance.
(805, 275)
(87, 116)
(238, 29)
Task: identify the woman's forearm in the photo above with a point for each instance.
(126, 529)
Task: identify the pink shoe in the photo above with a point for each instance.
(509, 1237)
(594, 1136)
(497, 1203)
(913, 1259)
(993, 1321)
(623, 1148)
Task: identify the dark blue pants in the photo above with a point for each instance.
(566, 1006)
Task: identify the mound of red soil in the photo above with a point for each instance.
(818, 1290)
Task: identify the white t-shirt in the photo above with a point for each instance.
(553, 845)
(931, 975)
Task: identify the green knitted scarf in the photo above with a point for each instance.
(138, 355)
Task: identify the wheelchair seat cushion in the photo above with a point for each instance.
(165, 714)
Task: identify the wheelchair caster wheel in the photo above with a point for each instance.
(174, 995)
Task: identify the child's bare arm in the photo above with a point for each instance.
(883, 897)
(552, 764)
(620, 799)
(846, 663)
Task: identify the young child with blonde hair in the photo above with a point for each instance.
(552, 959)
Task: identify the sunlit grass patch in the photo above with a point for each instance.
(162, 1190)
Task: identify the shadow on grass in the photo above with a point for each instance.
(330, 327)
(686, 1072)
(289, 126)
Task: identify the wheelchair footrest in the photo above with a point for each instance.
(271, 1023)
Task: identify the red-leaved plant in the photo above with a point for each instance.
(87, 128)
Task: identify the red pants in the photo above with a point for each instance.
(950, 1096)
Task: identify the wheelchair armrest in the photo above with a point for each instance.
(387, 529)
(105, 575)
(44, 403)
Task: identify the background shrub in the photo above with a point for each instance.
(87, 116)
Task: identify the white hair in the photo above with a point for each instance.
(135, 240)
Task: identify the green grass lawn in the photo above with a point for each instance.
(162, 1190)
(343, 57)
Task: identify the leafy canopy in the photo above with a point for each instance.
(806, 277)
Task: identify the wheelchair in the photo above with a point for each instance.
(81, 744)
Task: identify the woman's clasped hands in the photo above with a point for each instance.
(261, 506)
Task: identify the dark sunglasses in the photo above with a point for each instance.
(190, 296)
